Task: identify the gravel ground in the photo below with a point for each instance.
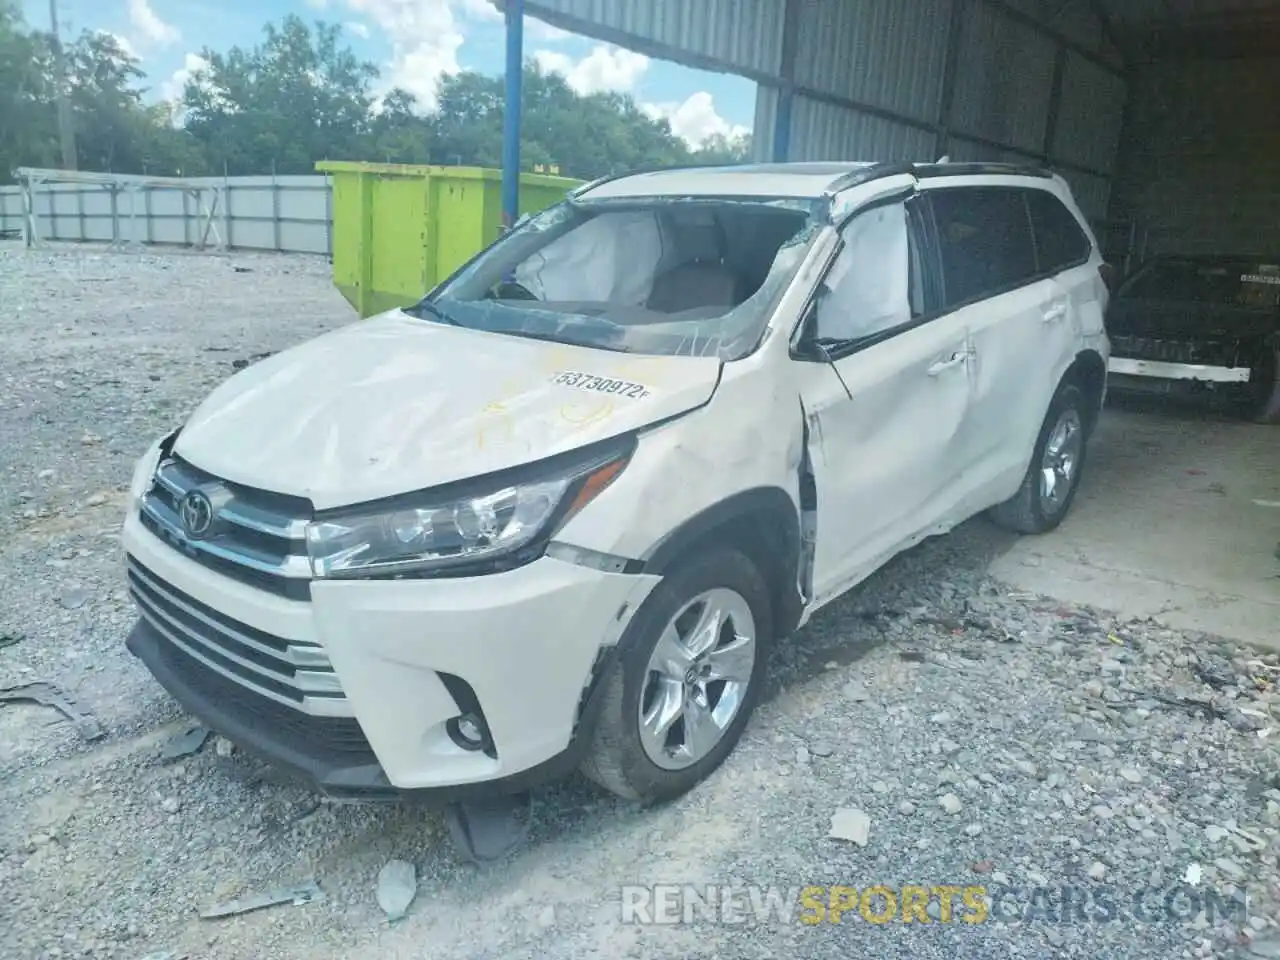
(989, 738)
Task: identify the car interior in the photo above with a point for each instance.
(674, 261)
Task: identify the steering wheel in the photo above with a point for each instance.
(510, 290)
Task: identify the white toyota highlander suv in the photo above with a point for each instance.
(555, 515)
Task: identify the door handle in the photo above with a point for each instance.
(1056, 312)
(957, 358)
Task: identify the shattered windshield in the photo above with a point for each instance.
(671, 276)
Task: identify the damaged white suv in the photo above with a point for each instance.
(555, 515)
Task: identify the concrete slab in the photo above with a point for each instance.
(1177, 518)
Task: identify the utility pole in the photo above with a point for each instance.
(66, 133)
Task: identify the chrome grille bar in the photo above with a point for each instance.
(259, 538)
(298, 675)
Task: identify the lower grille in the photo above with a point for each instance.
(298, 676)
(333, 740)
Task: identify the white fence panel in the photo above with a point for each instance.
(291, 214)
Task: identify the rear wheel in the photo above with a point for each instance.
(688, 676)
(1049, 488)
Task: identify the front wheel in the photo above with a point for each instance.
(1050, 485)
(688, 675)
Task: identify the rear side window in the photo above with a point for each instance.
(1060, 243)
(986, 242)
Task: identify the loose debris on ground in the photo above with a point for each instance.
(986, 736)
(397, 886)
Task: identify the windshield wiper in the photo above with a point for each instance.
(431, 308)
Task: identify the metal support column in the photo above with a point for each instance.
(786, 88)
(1055, 102)
(950, 67)
(511, 114)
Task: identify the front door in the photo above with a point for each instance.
(886, 432)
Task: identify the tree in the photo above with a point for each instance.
(294, 99)
(587, 136)
(300, 96)
(28, 127)
(719, 150)
(399, 135)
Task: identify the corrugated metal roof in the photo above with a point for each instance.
(823, 131)
(1003, 80)
(1090, 115)
(872, 53)
(712, 34)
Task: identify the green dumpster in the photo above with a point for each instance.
(398, 230)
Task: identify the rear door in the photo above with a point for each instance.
(1065, 252)
(1020, 322)
(884, 434)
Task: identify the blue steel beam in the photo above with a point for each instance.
(511, 113)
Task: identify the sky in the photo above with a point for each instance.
(413, 43)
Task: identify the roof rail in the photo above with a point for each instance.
(874, 171)
(949, 168)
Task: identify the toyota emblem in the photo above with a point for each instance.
(197, 514)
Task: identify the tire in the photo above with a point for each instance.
(1030, 510)
(619, 758)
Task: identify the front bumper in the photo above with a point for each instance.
(1158, 369)
(523, 647)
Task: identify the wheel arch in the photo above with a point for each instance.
(764, 524)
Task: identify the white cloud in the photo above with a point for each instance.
(356, 29)
(425, 37)
(192, 64)
(605, 68)
(152, 29)
(695, 120)
(540, 32)
(482, 10)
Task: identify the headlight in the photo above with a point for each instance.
(505, 523)
(144, 470)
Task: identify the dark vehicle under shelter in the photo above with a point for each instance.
(1201, 324)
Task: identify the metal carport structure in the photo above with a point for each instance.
(1103, 91)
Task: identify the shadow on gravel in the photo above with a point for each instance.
(930, 584)
(851, 627)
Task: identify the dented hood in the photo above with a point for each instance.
(396, 404)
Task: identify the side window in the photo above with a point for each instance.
(875, 283)
(985, 238)
(1060, 243)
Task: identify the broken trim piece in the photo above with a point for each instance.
(47, 695)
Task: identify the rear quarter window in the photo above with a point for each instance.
(1060, 241)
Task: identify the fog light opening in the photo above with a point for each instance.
(468, 732)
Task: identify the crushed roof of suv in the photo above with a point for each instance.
(807, 180)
